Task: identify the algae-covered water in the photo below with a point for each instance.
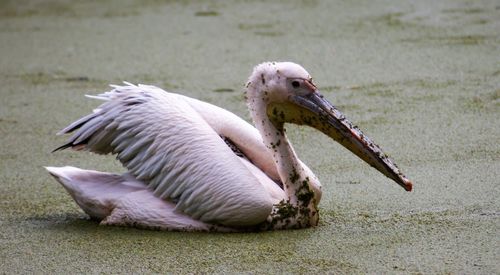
(422, 78)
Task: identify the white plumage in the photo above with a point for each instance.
(182, 175)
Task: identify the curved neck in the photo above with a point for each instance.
(290, 169)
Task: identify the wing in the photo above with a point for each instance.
(164, 142)
(246, 137)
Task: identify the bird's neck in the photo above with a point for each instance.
(299, 210)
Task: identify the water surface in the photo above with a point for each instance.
(422, 79)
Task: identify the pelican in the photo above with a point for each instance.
(193, 166)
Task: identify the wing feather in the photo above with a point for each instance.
(164, 142)
(246, 137)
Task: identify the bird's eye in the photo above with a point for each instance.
(295, 84)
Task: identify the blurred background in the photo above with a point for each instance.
(422, 78)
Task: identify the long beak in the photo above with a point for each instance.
(334, 124)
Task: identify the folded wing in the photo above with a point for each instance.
(164, 142)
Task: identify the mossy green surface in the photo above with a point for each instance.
(420, 78)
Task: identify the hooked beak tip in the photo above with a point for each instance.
(408, 185)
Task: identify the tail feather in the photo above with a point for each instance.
(95, 192)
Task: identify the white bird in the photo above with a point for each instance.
(193, 166)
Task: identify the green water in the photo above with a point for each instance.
(421, 78)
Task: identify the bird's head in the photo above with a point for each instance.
(278, 81)
(284, 91)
